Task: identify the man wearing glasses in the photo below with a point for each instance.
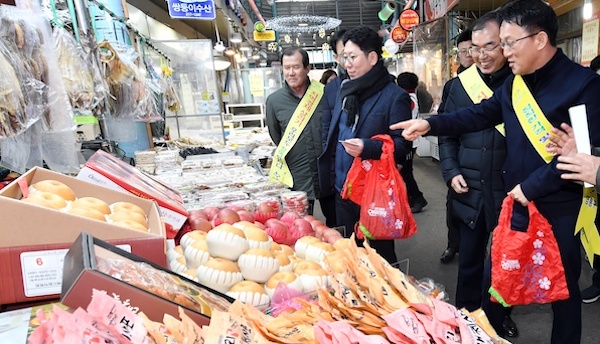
(549, 79)
(367, 104)
(471, 163)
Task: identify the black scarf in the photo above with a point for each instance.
(355, 92)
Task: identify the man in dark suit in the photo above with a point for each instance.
(368, 103)
(545, 74)
(332, 89)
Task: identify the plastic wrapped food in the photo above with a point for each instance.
(163, 284)
(76, 72)
(12, 101)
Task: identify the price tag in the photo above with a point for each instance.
(42, 271)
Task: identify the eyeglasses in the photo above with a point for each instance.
(510, 44)
(463, 52)
(349, 58)
(478, 50)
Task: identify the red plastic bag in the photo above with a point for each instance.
(526, 266)
(376, 185)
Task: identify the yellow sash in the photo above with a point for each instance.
(537, 129)
(477, 89)
(280, 171)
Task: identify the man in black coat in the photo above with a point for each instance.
(465, 60)
(528, 38)
(471, 163)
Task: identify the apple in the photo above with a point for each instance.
(226, 215)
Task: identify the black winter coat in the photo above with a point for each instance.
(478, 156)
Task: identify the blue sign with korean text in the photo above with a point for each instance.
(192, 9)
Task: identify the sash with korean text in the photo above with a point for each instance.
(477, 89)
(280, 171)
(537, 129)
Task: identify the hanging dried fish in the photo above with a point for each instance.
(12, 102)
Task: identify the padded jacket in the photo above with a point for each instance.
(557, 86)
(478, 156)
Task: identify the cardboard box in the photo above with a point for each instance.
(34, 240)
(92, 263)
(106, 170)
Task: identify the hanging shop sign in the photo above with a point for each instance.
(264, 36)
(589, 39)
(192, 9)
(435, 9)
(408, 19)
(399, 35)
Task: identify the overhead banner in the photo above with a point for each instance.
(192, 9)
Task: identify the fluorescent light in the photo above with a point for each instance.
(587, 10)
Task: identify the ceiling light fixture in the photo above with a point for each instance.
(221, 63)
(303, 23)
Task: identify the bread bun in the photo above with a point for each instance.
(258, 264)
(219, 274)
(55, 187)
(126, 206)
(129, 216)
(251, 293)
(89, 213)
(131, 225)
(226, 241)
(91, 203)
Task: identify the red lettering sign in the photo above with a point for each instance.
(409, 19)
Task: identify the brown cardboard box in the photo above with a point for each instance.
(106, 170)
(91, 264)
(30, 235)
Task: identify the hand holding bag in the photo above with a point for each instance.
(376, 185)
(526, 266)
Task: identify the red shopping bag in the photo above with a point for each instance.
(526, 266)
(376, 185)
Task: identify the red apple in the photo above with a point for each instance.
(289, 217)
(198, 213)
(264, 213)
(199, 223)
(211, 212)
(245, 215)
(226, 216)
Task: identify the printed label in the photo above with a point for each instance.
(42, 271)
